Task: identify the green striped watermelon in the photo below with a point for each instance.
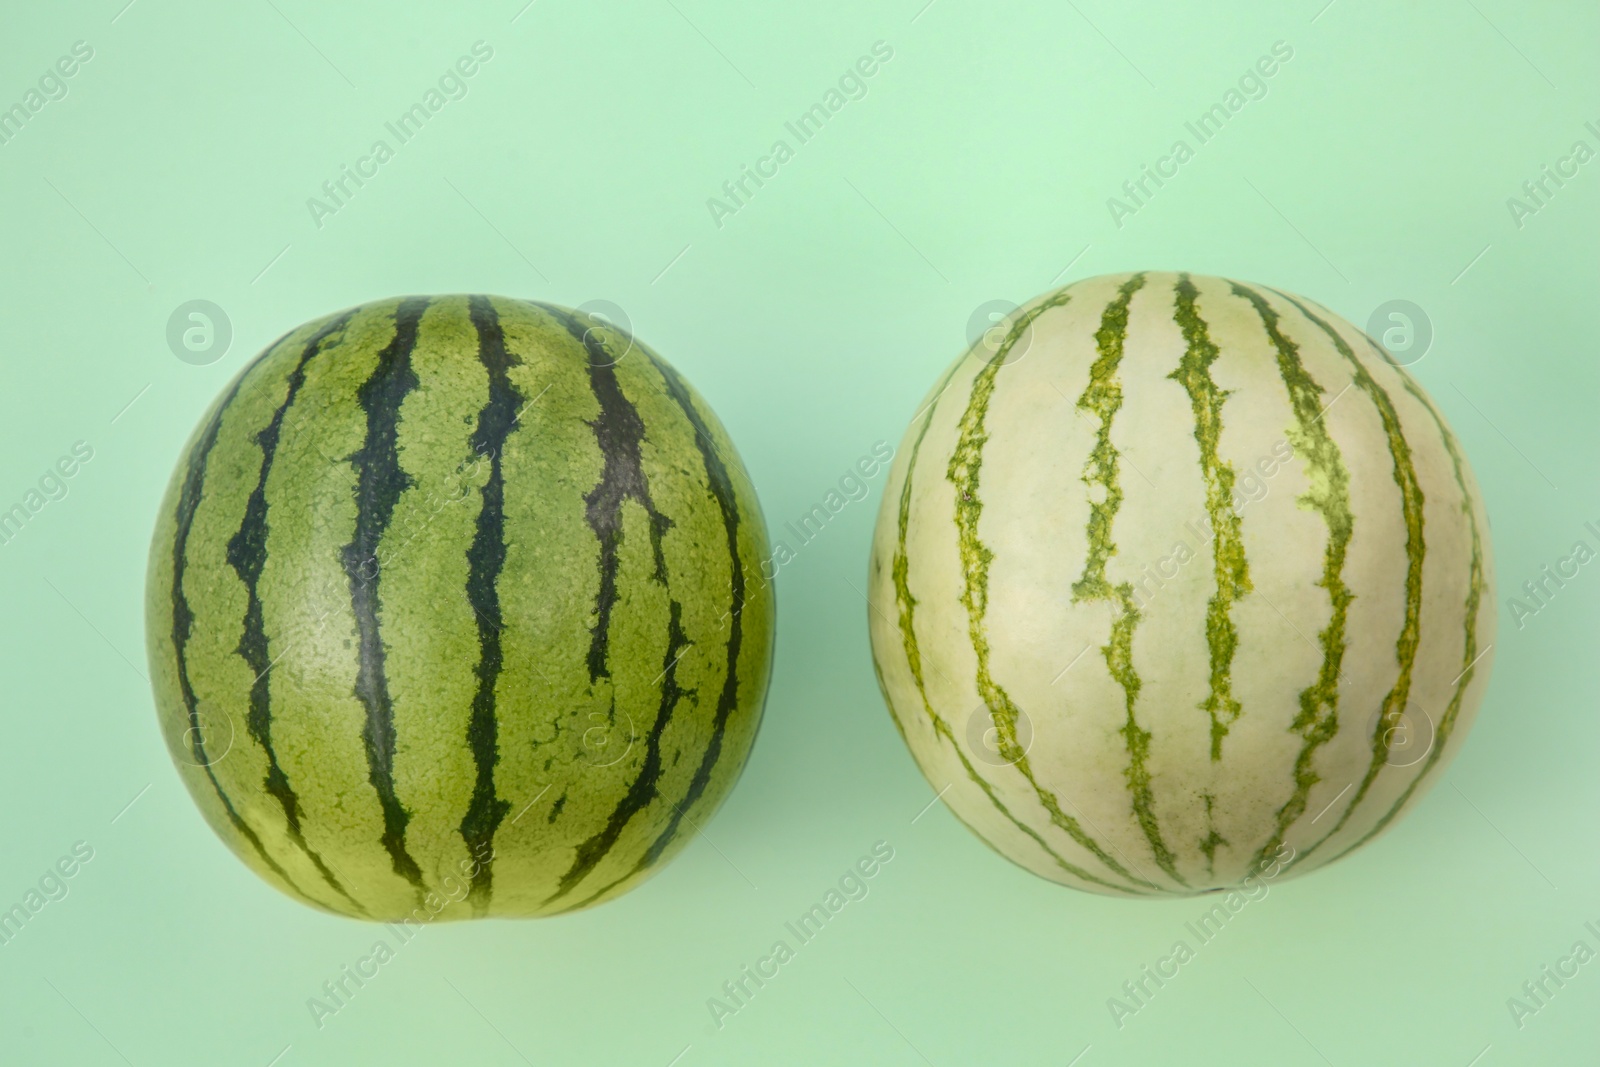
(1179, 581)
(448, 611)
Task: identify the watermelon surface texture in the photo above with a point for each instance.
(449, 611)
(1180, 582)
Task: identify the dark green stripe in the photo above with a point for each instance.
(1102, 397)
(642, 791)
(1411, 502)
(247, 553)
(906, 605)
(380, 481)
(1329, 495)
(620, 432)
(485, 559)
(183, 623)
(1469, 648)
(721, 484)
(722, 491)
(966, 462)
(1231, 570)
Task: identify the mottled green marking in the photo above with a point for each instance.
(1329, 495)
(963, 473)
(1411, 501)
(906, 609)
(1227, 545)
(1469, 646)
(1102, 398)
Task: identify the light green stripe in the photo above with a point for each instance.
(756, 610)
(963, 473)
(1329, 495)
(426, 622)
(218, 598)
(549, 462)
(1102, 397)
(1469, 648)
(222, 726)
(1411, 502)
(317, 722)
(1231, 570)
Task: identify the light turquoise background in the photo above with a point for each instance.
(978, 166)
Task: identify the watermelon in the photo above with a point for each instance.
(448, 611)
(1178, 579)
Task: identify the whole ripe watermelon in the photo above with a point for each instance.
(1180, 581)
(448, 611)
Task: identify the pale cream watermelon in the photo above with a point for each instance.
(1180, 580)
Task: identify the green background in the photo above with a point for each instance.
(977, 167)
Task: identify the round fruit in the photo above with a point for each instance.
(449, 615)
(1177, 583)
